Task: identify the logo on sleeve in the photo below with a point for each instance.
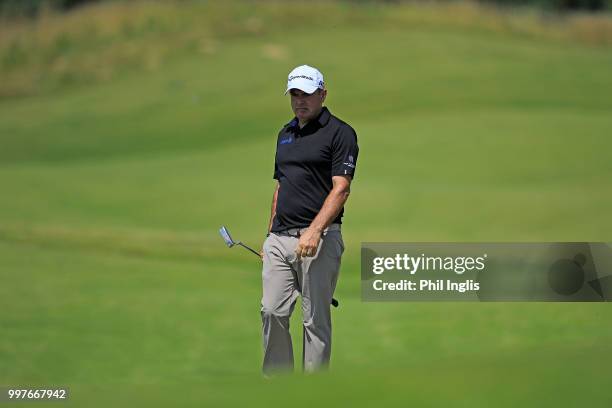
(286, 140)
(349, 162)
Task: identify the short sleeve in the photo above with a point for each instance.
(276, 172)
(344, 152)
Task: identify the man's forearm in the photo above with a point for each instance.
(331, 208)
(273, 208)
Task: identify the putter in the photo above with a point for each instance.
(230, 243)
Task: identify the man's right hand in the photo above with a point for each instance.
(261, 251)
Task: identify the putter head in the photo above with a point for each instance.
(226, 237)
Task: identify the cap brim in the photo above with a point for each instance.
(302, 85)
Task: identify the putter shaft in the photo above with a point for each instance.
(249, 248)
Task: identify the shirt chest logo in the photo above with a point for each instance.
(286, 140)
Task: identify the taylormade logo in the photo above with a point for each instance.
(412, 264)
(291, 78)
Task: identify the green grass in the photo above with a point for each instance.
(115, 282)
(103, 42)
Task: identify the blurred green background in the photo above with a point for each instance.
(130, 131)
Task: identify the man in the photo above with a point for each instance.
(316, 154)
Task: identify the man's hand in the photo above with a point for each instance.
(261, 251)
(308, 243)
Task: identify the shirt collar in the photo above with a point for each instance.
(323, 118)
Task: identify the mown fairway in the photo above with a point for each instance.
(114, 280)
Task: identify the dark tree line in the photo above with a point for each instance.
(32, 7)
(590, 5)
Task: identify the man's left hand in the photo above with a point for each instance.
(308, 243)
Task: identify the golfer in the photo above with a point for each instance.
(316, 154)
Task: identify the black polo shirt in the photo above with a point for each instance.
(306, 160)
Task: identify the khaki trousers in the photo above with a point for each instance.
(284, 277)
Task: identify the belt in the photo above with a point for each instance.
(297, 232)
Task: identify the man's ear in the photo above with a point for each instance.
(323, 95)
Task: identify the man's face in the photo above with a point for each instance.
(307, 106)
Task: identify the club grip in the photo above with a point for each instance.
(335, 303)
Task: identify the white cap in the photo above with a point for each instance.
(305, 78)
